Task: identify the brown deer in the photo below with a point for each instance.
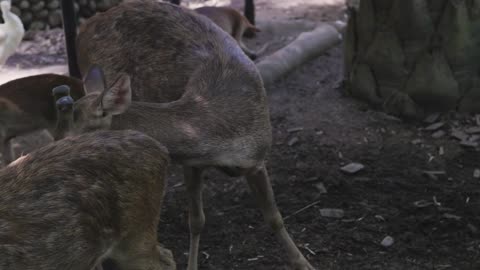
(172, 74)
(248, 10)
(31, 106)
(232, 22)
(75, 202)
(32, 97)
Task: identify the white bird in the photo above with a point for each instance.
(11, 32)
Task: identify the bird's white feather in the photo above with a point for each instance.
(11, 32)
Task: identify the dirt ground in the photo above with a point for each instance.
(419, 190)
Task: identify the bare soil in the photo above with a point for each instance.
(434, 222)
(433, 219)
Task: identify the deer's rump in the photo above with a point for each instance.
(159, 45)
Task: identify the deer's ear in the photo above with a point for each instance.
(94, 81)
(117, 99)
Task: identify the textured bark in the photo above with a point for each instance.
(414, 56)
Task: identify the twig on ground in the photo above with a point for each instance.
(301, 210)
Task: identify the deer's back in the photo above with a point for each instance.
(159, 45)
(63, 205)
(174, 54)
(33, 94)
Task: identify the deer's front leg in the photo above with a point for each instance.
(196, 217)
(259, 183)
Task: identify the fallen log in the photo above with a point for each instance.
(306, 46)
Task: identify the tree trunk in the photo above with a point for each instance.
(411, 57)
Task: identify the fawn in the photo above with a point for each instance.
(172, 74)
(31, 106)
(232, 22)
(80, 200)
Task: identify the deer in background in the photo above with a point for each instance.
(172, 74)
(78, 201)
(234, 23)
(30, 102)
(249, 12)
(29, 106)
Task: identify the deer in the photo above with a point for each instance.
(248, 10)
(170, 73)
(79, 201)
(31, 103)
(29, 106)
(234, 23)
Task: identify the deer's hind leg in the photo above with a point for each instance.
(261, 188)
(196, 216)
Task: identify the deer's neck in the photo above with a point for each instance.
(154, 119)
(172, 124)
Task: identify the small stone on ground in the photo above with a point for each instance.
(352, 168)
(387, 241)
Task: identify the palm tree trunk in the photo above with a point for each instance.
(411, 57)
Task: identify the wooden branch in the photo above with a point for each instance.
(306, 46)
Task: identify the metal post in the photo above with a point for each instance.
(70, 28)
(249, 11)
